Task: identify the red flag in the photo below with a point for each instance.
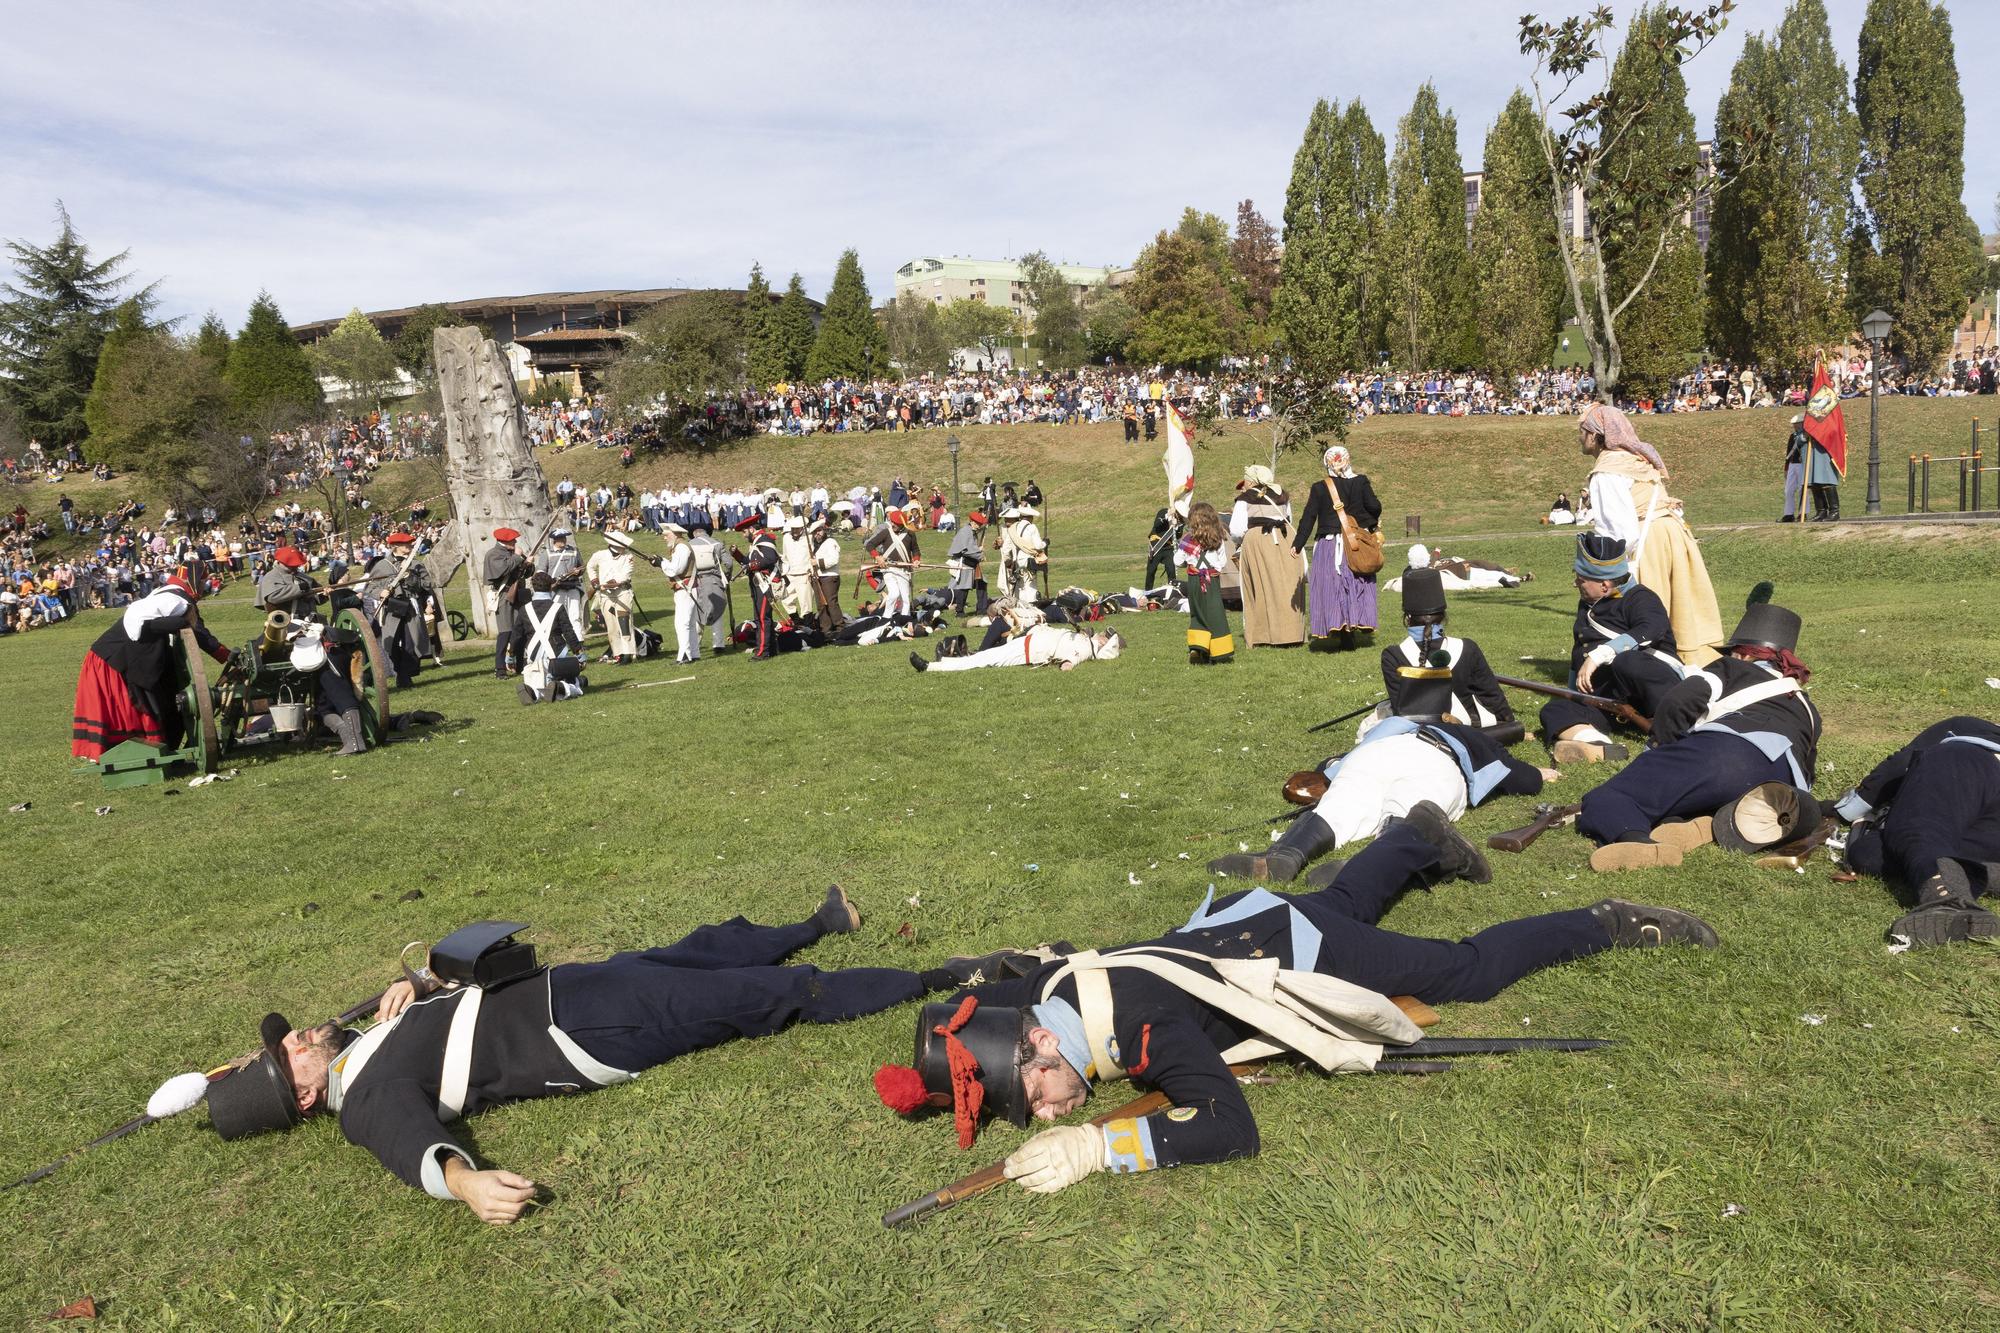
(1824, 422)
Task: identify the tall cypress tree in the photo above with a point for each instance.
(1777, 251)
(1661, 333)
(850, 341)
(1517, 269)
(765, 358)
(793, 329)
(53, 321)
(1430, 299)
(1366, 155)
(269, 375)
(1918, 265)
(1316, 306)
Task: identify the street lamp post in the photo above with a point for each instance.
(951, 444)
(1875, 328)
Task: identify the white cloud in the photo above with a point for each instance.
(380, 154)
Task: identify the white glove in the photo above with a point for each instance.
(1057, 1158)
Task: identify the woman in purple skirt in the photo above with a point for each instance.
(1343, 602)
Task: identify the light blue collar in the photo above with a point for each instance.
(1058, 1017)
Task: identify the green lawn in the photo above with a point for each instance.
(742, 1187)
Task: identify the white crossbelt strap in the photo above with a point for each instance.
(1726, 704)
(457, 1076)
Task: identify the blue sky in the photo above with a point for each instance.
(354, 153)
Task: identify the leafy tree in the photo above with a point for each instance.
(915, 333)
(1777, 251)
(682, 352)
(1367, 183)
(1107, 322)
(1514, 239)
(1662, 335)
(969, 323)
(1428, 267)
(212, 341)
(129, 327)
(269, 375)
(765, 357)
(1912, 117)
(1058, 314)
(412, 344)
(1253, 252)
(356, 355)
(154, 408)
(849, 344)
(1635, 203)
(53, 320)
(793, 330)
(1187, 306)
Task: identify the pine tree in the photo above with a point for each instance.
(1660, 336)
(269, 376)
(794, 329)
(154, 407)
(1514, 237)
(760, 329)
(1316, 305)
(52, 324)
(1777, 250)
(1427, 264)
(212, 341)
(129, 327)
(849, 344)
(1912, 118)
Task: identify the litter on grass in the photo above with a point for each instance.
(1812, 1020)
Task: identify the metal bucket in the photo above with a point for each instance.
(287, 714)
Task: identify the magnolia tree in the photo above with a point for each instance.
(1608, 153)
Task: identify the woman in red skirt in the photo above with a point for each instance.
(130, 675)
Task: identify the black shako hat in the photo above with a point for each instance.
(1767, 625)
(967, 1058)
(1423, 592)
(260, 1095)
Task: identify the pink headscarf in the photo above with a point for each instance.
(1616, 428)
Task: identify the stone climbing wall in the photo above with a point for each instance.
(493, 478)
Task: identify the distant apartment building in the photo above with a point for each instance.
(1575, 218)
(947, 278)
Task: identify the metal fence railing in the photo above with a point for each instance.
(1973, 468)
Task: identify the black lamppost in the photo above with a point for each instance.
(1875, 328)
(952, 446)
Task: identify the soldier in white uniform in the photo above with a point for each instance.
(610, 574)
(895, 551)
(826, 569)
(1022, 552)
(564, 566)
(679, 567)
(795, 555)
(1038, 647)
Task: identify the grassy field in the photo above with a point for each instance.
(742, 1187)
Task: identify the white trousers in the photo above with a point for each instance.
(895, 592)
(616, 608)
(1031, 649)
(571, 601)
(687, 631)
(1382, 780)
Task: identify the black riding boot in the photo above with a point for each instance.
(1308, 837)
(500, 642)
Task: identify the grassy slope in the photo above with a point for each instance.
(742, 1186)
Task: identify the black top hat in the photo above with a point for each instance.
(260, 1095)
(1423, 592)
(993, 1035)
(1767, 625)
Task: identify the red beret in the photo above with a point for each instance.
(896, 517)
(399, 539)
(979, 517)
(506, 535)
(291, 557)
(748, 522)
